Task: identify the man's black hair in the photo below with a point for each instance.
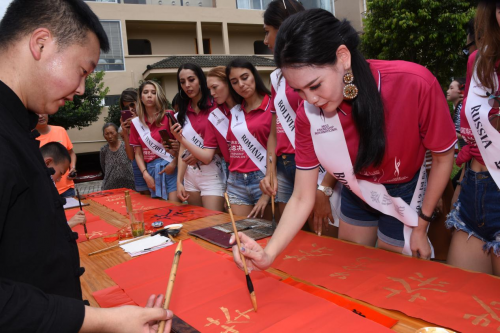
(68, 20)
(56, 151)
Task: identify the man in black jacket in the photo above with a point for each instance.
(47, 49)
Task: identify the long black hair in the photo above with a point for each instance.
(260, 87)
(183, 101)
(311, 38)
(276, 12)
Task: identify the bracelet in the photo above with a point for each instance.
(144, 170)
(424, 217)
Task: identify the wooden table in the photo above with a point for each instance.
(96, 279)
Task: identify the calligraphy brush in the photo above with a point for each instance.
(171, 280)
(161, 232)
(249, 281)
(80, 203)
(271, 170)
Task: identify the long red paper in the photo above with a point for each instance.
(116, 202)
(446, 296)
(96, 228)
(357, 308)
(178, 214)
(210, 294)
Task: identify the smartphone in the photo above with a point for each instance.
(126, 114)
(165, 136)
(172, 118)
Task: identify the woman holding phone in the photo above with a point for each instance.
(157, 165)
(201, 184)
(368, 123)
(218, 121)
(128, 102)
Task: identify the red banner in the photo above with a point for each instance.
(446, 296)
(211, 295)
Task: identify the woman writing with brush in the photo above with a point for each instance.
(369, 124)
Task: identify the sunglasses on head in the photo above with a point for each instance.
(465, 50)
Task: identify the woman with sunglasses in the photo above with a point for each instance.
(368, 123)
(218, 121)
(475, 243)
(157, 165)
(201, 184)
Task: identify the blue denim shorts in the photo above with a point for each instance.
(355, 211)
(477, 211)
(243, 188)
(164, 183)
(140, 183)
(286, 177)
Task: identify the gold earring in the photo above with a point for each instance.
(350, 90)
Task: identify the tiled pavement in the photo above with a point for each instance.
(89, 187)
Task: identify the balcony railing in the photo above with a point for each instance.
(185, 3)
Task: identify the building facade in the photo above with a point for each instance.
(148, 38)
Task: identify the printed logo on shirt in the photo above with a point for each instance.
(396, 166)
(325, 129)
(376, 175)
(220, 120)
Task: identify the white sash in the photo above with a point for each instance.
(284, 111)
(148, 140)
(248, 142)
(487, 138)
(328, 137)
(220, 121)
(189, 132)
(287, 115)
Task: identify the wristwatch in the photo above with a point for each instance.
(327, 190)
(424, 217)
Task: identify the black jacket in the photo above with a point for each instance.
(39, 264)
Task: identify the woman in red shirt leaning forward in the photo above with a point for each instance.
(369, 124)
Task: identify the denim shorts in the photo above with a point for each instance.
(140, 183)
(164, 183)
(477, 211)
(355, 211)
(209, 180)
(243, 188)
(286, 177)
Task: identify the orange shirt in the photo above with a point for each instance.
(59, 134)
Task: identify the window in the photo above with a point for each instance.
(252, 4)
(324, 4)
(113, 60)
(139, 46)
(109, 1)
(262, 4)
(207, 49)
(260, 48)
(110, 100)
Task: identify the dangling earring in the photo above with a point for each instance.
(350, 90)
(180, 94)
